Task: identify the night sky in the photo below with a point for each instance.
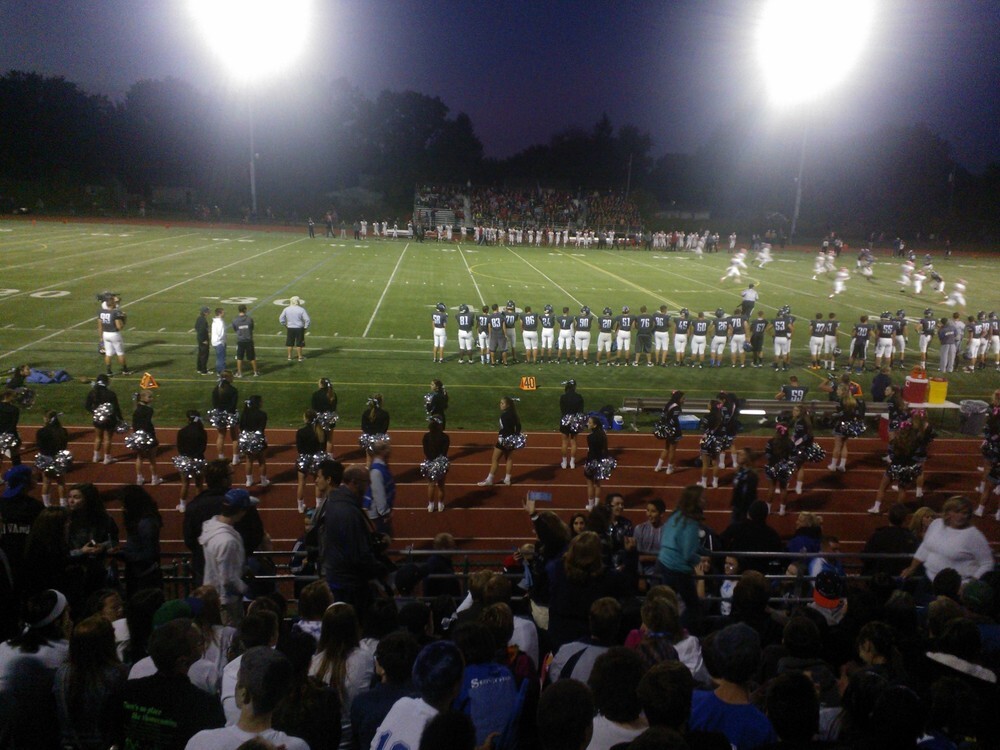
(524, 70)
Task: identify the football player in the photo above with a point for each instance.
(439, 318)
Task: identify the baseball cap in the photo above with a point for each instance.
(174, 609)
(205, 310)
(17, 478)
(237, 498)
(829, 589)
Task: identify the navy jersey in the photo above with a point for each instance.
(700, 327)
(605, 324)
(977, 330)
(928, 326)
(483, 322)
(900, 326)
(886, 329)
(496, 321)
(510, 319)
(782, 328)
(759, 325)
(624, 322)
(108, 320)
(529, 321)
(682, 325)
(737, 325)
(721, 326)
(644, 323)
(464, 321)
(661, 322)
(439, 318)
(583, 322)
(817, 328)
(548, 320)
(862, 331)
(565, 322)
(794, 393)
(832, 326)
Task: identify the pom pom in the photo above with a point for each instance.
(326, 420)
(122, 427)
(308, 463)
(574, 423)
(192, 468)
(781, 471)
(600, 469)
(104, 416)
(368, 441)
(8, 441)
(709, 444)
(666, 429)
(222, 419)
(24, 397)
(140, 440)
(812, 453)
(435, 469)
(512, 442)
(991, 450)
(252, 443)
(904, 474)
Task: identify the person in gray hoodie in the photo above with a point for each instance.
(225, 557)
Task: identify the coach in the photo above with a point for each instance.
(296, 321)
(749, 296)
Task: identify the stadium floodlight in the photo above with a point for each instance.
(807, 47)
(254, 39)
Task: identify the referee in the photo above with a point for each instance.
(749, 296)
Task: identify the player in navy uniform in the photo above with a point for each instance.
(548, 322)
(483, 334)
(529, 335)
(781, 329)
(737, 337)
(466, 320)
(498, 340)
(643, 337)
(510, 318)
(682, 325)
(605, 335)
(720, 335)
(793, 392)
(817, 336)
(439, 319)
(699, 336)
(623, 335)
(581, 334)
(565, 334)
(110, 322)
(886, 332)
(928, 327)
(830, 342)
(661, 335)
(859, 346)
(757, 330)
(900, 338)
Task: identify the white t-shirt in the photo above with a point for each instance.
(228, 693)
(230, 738)
(403, 725)
(607, 733)
(966, 550)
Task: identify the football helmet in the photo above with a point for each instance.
(624, 309)
(606, 311)
(441, 307)
(928, 313)
(585, 310)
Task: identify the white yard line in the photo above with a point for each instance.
(91, 319)
(84, 254)
(385, 291)
(547, 278)
(482, 300)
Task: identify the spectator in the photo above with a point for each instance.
(218, 638)
(613, 683)
(309, 709)
(449, 730)
(46, 555)
(394, 659)
(133, 641)
(566, 716)
(680, 548)
(259, 628)
(895, 538)
(753, 535)
(18, 511)
(793, 710)
(647, 536)
(142, 540)
(576, 659)
(349, 561)
(953, 542)
(92, 535)
(225, 557)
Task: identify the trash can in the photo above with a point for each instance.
(972, 416)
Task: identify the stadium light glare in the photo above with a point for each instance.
(807, 47)
(254, 38)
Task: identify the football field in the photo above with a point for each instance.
(371, 303)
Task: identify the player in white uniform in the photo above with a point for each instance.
(735, 264)
(466, 322)
(840, 281)
(547, 321)
(732, 242)
(905, 276)
(764, 255)
(439, 319)
(624, 324)
(819, 265)
(918, 280)
(957, 296)
(831, 261)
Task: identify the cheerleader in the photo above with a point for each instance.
(509, 439)
(731, 426)
(225, 415)
(599, 464)
(436, 402)
(805, 447)
(324, 403)
(906, 465)
(435, 466)
(571, 422)
(896, 410)
(192, 441)
(710, 445)
(780, 465)
(102, 403)
(53, 460)
(23, 395)
(253, 442)
(10, 441)
(143, 438)
(668, 429)
(374, 426)
(991, 453)
(848, 422)
(309, 442)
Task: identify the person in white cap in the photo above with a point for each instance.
(295, 319)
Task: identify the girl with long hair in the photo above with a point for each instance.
(436, 444)
(907, 454)
(780, 465)
(341, 663)
(680, 543)
(253, 440)
(668, 429)
(731, 426)
(218, 638)
(141, 550)
(192, 442)
(88, 688)
(571, 422)
(10, 441)
(143, 438)
(102, 403)
(509, 439)
(53, 459)
(46, 554)
(92, 535)
(310, 441)
(599, 464)
(224, 416)
(848, 422)
(436, 402)
(374, 426)
(712, 444)
(324, 403)
(806, 450)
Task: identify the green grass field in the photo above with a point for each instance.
(371, 304)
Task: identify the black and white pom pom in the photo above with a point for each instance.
(122, 427)
(326, 420)
(512, 442)
(781, 471)
(24, 397)
(575, 423)
(904, 474)
(189, 467)
(600, 469)
(104, 416)
(222, 419)
(368, 441)
(709, 444)
(252, 443)
(308, 463)
(812, 453)
(435, 469)
(140, 440)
